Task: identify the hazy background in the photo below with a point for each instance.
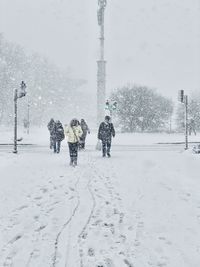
(154, 43)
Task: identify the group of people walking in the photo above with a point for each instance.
(76, 133)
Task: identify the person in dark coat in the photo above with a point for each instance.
(57, 136)
(50, 127)
(85, 130)
(105, 134)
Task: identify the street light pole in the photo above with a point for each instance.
(17, 95)
(101, 64)
(15, 121)
(186, 121)
(28, 117)
(184, 99)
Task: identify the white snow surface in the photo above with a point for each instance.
(139, 208)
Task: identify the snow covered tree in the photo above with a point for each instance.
(140, 108)
(51, 92)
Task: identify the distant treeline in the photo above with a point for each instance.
(51, 92)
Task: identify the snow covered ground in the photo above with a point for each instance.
(139, 208)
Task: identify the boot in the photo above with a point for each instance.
(71, 162)
(75, 161)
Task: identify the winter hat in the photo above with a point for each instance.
(74, 122)
(107, 118)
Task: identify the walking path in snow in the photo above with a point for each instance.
(139, 208)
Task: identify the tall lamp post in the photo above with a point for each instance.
(17, 94)
(28, 117)
(101, 64)
(184, 99)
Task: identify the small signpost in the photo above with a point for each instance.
(111, 106)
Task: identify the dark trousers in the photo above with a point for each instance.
(106, 145)
(56, 146)
(73, 152)
(82, 142)
(51, 142)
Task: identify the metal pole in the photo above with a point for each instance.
(28, 117)
(186, 122)
(102, 37)
(101, 65)
(15, 122)
(170, 124)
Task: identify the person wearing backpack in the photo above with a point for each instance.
(57, 136)
(50, 127)
(73, 133)
(105, 134)
(86, 131)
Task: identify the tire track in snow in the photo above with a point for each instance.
(37, 234)
(54, 260)
(82, 234)
(9, 258)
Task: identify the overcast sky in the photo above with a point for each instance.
(149, 42)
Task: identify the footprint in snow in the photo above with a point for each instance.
(38, 198)
(22, 207)
(84, 235)
(91, 252)
(128, 263)
(36, 217)
(71, 188)
(121, 217)
(109, 263)
(161, 264)
(98, 222)
(137, 243)
(50, 210)
(14, 239)
(162, 238)
(40, 228)
(44, 190)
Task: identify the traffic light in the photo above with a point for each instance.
(181, 96)
(22, 90)
(107, 104)
(114, 105)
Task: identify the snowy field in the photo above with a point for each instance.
(140, 208)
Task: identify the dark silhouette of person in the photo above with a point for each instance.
(105, 134)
